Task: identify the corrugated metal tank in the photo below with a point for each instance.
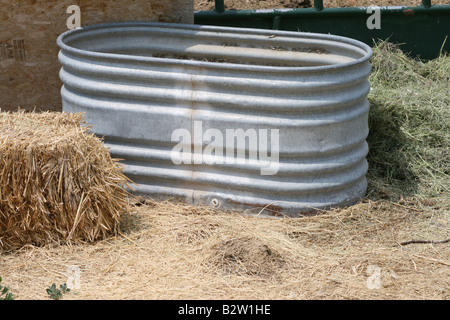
(167, 96)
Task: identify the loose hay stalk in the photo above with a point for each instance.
(58, 182)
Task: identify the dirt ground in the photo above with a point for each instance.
(278, 4)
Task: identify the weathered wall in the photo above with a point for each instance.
(28, 31)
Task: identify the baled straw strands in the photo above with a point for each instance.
(58, 182)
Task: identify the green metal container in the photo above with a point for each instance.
(421, 31)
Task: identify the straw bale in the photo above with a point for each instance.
(58, 182)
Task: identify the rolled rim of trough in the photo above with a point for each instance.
(357, 46)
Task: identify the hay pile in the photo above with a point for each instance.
(409, 125)
(58, 182)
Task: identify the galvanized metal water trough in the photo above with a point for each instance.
(273, 122)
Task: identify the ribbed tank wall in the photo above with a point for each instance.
(140, 83)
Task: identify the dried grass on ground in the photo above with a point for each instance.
(168, 250)
(174, 251)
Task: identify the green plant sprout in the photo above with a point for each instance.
(4, 292)
(55, 293)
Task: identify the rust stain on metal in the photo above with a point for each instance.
(408, 12)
